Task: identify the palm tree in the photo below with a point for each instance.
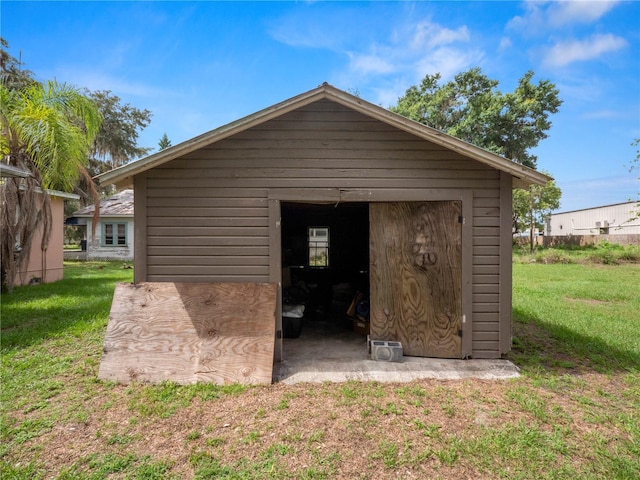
(47, 130)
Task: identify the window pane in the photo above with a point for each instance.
(122, 237)
(108, 234)
(318, 246)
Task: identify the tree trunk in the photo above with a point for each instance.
(531, 222)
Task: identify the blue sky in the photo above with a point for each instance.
(199, 65)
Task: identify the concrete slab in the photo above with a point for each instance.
(328, 352)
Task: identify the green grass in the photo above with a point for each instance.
(574, 412)
(586, 315)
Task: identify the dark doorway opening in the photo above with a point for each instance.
(325, 265)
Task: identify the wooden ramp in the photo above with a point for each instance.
(191, 332)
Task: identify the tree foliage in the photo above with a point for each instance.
(164, 142)
(116, 141)
(47, 130)
(472, 108)
(531, 207)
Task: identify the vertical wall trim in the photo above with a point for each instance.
(467, 273)
(506, 244)
(275, 269)
(140, 228)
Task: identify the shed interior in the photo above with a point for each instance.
(325, 261)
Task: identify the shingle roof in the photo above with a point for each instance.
(120, 204)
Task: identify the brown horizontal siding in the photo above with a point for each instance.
(209, 232)
(486, 348)
(209, 278)
(207, 202)
(197, 211)
(486, 264)
(484, 326)
(208, 251)
(206, 270)
(485, 298)
(482, 288)
(336, 181)
(295, 173)
(211, 260)
(204, 221)
(205, 194)
(179, 240)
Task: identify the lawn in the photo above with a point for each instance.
(574, 413)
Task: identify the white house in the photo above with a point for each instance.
(112, 238)
(616, 219)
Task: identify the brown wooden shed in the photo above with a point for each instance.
(420, 218)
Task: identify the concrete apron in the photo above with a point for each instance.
(324, 353)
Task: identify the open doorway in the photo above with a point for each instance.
(325, 266)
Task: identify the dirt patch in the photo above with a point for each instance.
(352, 430)
(587, 301)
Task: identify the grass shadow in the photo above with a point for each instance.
(540, 346)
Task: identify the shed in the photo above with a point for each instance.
(330, 190)
(44, 265)
(113, 236)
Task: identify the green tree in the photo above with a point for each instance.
(164, 142)
(114, 145)
(472, 108)
(47, 130)
(12, 73)
(116, 141)
(531, 207)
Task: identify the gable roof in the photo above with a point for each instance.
(118, 205)
(525, 176)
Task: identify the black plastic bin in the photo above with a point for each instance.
(291, 327)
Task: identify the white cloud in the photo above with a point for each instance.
(578, 11)
(428, 35)
(541, 15)
(393, 61)
(412, 51)
(602, 114)
(448, 61)
(96, 80)
(592, 192)
(370, 64)
(564, 53)
(505, 44)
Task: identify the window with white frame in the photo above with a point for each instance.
(114, 234)
(318, 246)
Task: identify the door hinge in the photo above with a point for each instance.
(460, 219)
(278, 333)
(460, 333)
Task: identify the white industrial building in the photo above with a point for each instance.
(616, 219)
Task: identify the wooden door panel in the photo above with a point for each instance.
(415, 256)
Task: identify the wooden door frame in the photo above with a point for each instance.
(334, 195)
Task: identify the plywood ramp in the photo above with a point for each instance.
(191, 332)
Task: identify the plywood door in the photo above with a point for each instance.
(415, 272)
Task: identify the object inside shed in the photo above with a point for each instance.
(325, 260)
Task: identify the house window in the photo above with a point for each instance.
(318, 246)
(114, 234)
